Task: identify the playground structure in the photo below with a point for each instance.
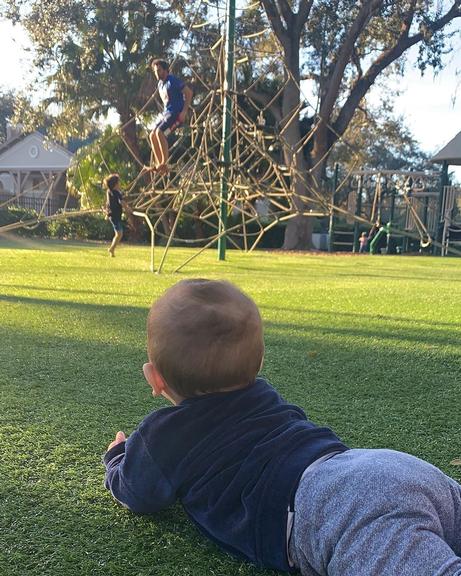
(235, 174)
(451, 210)
(402, 205)
(450, 155)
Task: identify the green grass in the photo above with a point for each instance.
(367, 345)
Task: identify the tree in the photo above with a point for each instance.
(380, 141)
(93, 56)
(7, 102)
(344, 46)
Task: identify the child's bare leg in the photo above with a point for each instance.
(163, 156)
(115, 240)
(156, 148)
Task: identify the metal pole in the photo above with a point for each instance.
(392, 213)
(425, 210)
(152, 236)
(227, 127)
(391, 217)
(440, 217)
(331, 223)
(358, 210)
(379, 199)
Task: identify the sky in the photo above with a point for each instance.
(430, 105)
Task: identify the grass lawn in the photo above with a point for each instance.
(367, 345)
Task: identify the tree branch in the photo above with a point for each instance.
(286, 12)
(275, 20)
(355, 59)
(408, 17)
(304, 11)
(403, 43)
(344, 56)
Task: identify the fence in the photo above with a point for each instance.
(52, 205)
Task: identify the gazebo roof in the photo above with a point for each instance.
(451, 153)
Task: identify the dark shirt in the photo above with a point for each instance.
(114, 204)
(233, 459)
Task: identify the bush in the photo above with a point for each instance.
(14, 214)
(85, 227)
(95, 227)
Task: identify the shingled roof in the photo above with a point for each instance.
(451, 153)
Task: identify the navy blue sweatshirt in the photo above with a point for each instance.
(233, 459)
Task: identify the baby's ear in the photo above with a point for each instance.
(262, 364)
(154, 378)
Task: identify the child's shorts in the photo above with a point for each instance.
(116, 224)
(377, 513)
(167, 122)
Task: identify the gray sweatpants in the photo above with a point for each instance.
(377, 513)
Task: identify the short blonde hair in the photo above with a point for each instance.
(204, 336)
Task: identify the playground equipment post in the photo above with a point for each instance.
(227, 128)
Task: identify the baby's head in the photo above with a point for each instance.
(205, 336)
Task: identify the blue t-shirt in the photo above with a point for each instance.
(170, 91)
(233, 459)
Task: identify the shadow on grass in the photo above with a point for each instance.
(70, 289)
(334, 272)
(359, 315)
(389, 327)
(125, 318)
(428, 278)
(434, 338)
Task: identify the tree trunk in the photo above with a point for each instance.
(298, 233)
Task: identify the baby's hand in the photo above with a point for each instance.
(119, 437)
